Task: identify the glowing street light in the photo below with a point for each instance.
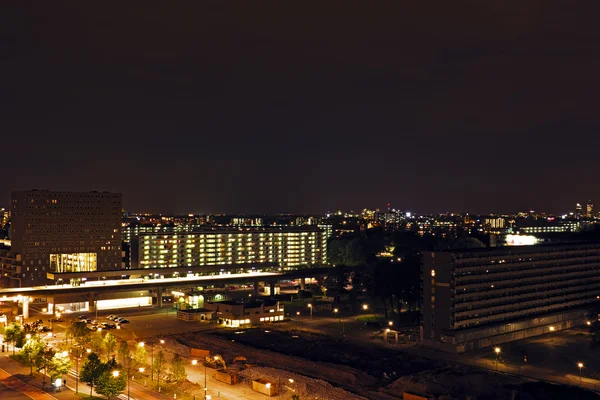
(194, 362)
(115, 373)
(365, 307)
(551, 331)
(497, 351)
(588, 323)
(141, 344)
(580, 365)
(390, 323)
(310, 306)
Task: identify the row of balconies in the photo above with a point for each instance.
(526, 304)
(486, 259)
(521, 313)
(521, 265)
(516, 289)
(475, 304)
(520, 282)
(521, 269)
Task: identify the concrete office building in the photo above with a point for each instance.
(281, 246)
(483, 297)
(57, 232)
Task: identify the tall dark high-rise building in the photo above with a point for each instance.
(54, 232)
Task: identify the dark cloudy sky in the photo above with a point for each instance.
(249, 107)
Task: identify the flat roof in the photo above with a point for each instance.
(155, 271)
(520, 249)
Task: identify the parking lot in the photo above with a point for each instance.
(558, 353)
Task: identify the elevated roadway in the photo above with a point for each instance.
(90, 291)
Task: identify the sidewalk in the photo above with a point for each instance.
(16, 376)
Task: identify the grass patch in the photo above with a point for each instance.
(371, 318)
(87, 396)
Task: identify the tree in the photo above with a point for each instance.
(91, 370)
(33, 352)
(109, 344)
(79, 332)
(467, 242)
(140, 356)
(160, 366)
(14, 334)
(178, 369)
(96, 344)
(123, 353)
(59, 365)
(111, 383)
(127, 360)
(336, 280)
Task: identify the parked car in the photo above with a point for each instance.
(56, 320)
(112, 317)
(82, 317)
(124, 321)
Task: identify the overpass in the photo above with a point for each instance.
(90, 291)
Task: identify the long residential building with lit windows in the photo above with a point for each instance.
(285, 247)
(484, 297)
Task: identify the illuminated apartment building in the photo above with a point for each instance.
(133, 231)
(283, 246)
(483, 297)
(61, 232)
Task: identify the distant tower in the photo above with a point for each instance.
(589, 209)
(578, 209)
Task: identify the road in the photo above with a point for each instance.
(49, 289)
(9, 394)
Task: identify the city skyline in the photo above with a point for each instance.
(233, 108)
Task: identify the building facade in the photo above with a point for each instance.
(234, 314)
(61, 232)
(283, 246)
(482, 297)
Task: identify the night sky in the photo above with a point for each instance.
(256, 107)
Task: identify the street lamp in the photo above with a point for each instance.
(588, 323)
(551, 331)
(195, 362)
(310, 306)
(580, 365)
(79, 355)
(390, 323)
(28, 337)
(497, 351)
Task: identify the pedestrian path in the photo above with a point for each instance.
(13, 383)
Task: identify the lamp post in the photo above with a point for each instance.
(580, 365)
(551, 335)
(79, 355)
(497, 351)
(365, 307)
(310, 306)
(28, 337)
(195, 362)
